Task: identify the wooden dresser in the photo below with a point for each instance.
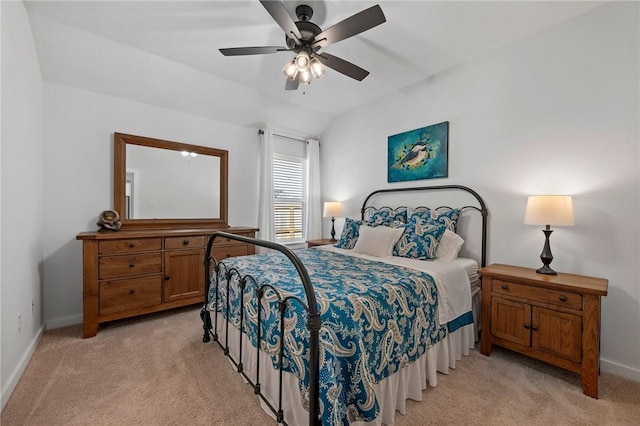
(553, 318)
(130, 273)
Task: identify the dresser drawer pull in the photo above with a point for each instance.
(132, 245)
(504, 286)
(534, 327)
(185, 242)
(167, 277)
(527, 325)
(563, 298)
(132, 291)
(132, 265)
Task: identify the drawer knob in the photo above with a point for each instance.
(527, 325)
(132, 265)
(132, 245)
(504, 286)
(563, 298)
(132, 291)
(185, 242)
(534, 327)
(167, 277)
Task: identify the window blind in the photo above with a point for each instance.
(289, 198)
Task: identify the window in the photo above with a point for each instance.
(289, 198)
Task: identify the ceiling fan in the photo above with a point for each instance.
(306, 39)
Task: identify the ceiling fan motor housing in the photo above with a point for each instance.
(308, 30)
(304, 12)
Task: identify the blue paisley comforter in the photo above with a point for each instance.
(376, 318)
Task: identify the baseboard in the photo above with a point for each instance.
(619, 370)
(63, 322)
(22, 365)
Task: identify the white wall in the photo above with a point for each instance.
(78, 170)
(22, 196)
(557, 113)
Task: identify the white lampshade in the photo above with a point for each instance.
(332, 209)
(549, 210)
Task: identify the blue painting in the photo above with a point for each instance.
(419, 154)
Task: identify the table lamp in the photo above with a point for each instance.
(548, 210)
(332, 209)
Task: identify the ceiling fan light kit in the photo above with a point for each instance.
(302, 61)
(317, 69)
(290, 70)
(306, 39)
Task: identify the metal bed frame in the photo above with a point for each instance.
(311, 307)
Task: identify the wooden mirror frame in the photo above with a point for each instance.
(120, 142)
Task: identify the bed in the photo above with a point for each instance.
(366, 324)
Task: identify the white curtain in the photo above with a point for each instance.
(266, 221)
(314, 208)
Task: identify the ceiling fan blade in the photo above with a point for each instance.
(292, 84)
(342, 66)
(237, 51)
(351, 26)
(279, 13)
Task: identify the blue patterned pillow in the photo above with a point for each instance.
(445, 216)
(420, 239)
(388, 217)
(350, 233)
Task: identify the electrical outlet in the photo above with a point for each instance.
(19, 323)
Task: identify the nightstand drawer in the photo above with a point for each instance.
(538, 294)
(128, 266)
(183, 242)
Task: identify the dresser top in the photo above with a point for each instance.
(148, 233)
(569, 282)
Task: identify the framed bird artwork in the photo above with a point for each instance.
(419, 154)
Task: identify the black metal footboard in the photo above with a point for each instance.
(311, 307)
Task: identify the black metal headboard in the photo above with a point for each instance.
(482, 208)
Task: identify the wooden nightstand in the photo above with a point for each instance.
(321, 242)
(553, 318)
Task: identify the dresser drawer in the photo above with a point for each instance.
(129, 294)
(227, 241)
(129, 246)
(538, 294)
(130, 265)
(222, 253)
(184, 242)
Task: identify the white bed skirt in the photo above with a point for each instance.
(392, 392)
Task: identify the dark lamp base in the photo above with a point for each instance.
(333, 230)
(333, 240)
(546, 255)
(546, 269)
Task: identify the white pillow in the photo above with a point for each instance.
(449, 246)
(378, 241)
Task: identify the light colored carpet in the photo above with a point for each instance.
(155, 370)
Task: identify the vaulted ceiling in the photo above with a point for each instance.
(166, 52)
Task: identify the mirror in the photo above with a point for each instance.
(159, 183)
